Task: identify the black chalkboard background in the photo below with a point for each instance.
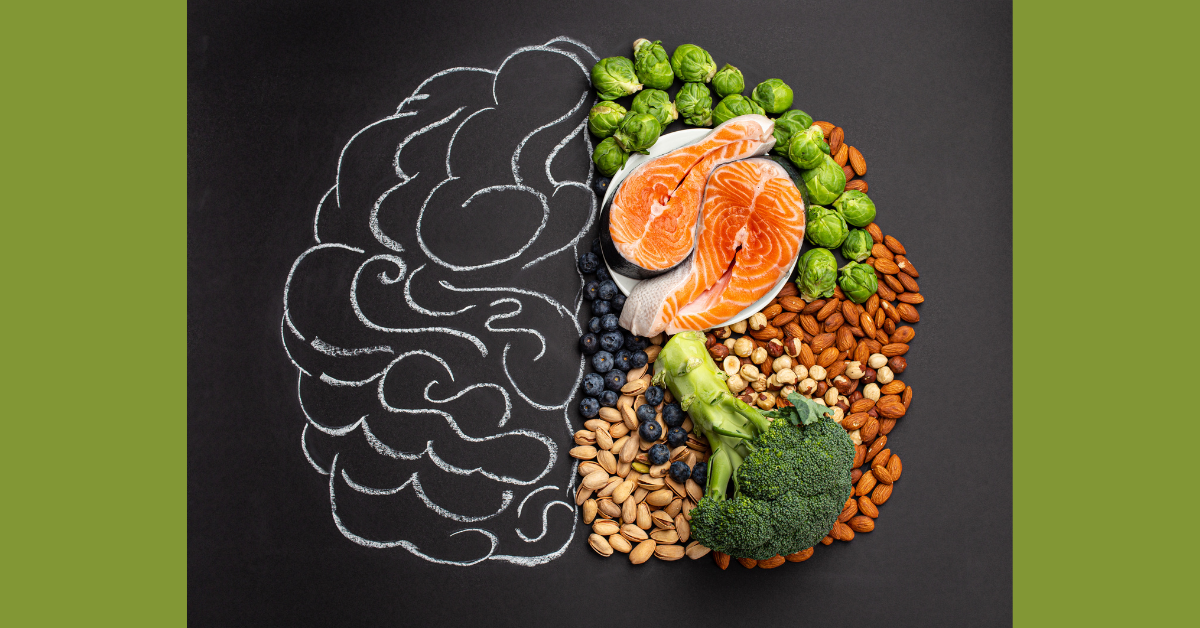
(276, 90)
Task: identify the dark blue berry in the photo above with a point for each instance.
(634, 343)
(650, 431)
(602, 274)
(700, 473)
(676, 437)
(645, 413)
(601, 185)
(588, 263)
(610, 322)
(589, 344)
(593, 384)
(600, 308)
(602, 362)
(639, 359)
(608, 399)
(618, 303)
(594, 325)
(611, 341)
(596, 246)
(590, 289)
(614, 379)
(673, 415)
(608, 290)
(624, 360)
(680, 471)
(589, 407)
(658, 454)
(654, 395)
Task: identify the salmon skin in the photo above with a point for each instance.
(650, 223)
(750, 232)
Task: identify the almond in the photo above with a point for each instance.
(908, 282)
(894, 245)
(876, 233)
(908, 313)
(886, 266)
(865, 484)
(894, 387)
(793, 329)
(876, 447)
(766, 333)
(834, 321)
(894, 467)
(883, 456)
(788, 290)
(869, 431)
(820, 342)
(893, 283)
(809, 324)
(886, 426)
(829, 308)
(881, 494)
(771, 562)
(857, 184)
(861, 523)
(867, 507)
(860, 452)
(814, 307)
(849, 511)
(885, 293)
(879, 251)
(894, 349)
(837, 137)
(748, 563)
(862, 405)
(906, 397)
(881, 474)
(861, 352)
(857, 162)
(848, 172)
(845, 338)
(806, 356)
(782, 319)
(800, 556)
(867, 323)
(907, 266)
(721, 559)
(842, 532)
(828, 356)
(910, 297)
(904, 333)
(890, 410)
(826, 127)
(850, 311)
(841, 156)
(828, 540)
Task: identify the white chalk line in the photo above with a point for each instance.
(339, 352)
(582, 232)
(317, 216)
(287, 285)
(428, 127)
(488, 324)
(283, 341)
(495, 188)
(575, 42)
(539, 489)
(545, 522)
(417, 95)
(308, 456)
(586, 70)
(516, 158)
(562, 144)
(415, 483)
(563, 311)
(426, 311)
(342, 156)
(504, 393)
(454, 136)
(521, 393)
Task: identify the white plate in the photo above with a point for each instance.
(666, 144)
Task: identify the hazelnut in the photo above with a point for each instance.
(709, 341)
(855, 370)
(876, 360)
(855, 396)
(821, 388)
(817, 372)
(738, 327)
(775, 348)
(807, 386)
(722, 332)
(743, 347)
(729, 342)
(841, 405)
(659, 339)
(800, 370)
(856, 437)
(855, 474)
(898, 364)
(758, 356)
(773, 383)
(787, 390)
(842, 384)
(718, 352)
(731, 365)
(786, 376)
(873, 413)
(735, 383)
(747, 396)
(871, 391)
(766, 400)
(750, 372)
(837, 415)
(791, 346)
(818, 400)
(781, 362)
(884, 375)
(758, 320)
(760, 384)
(868, 376)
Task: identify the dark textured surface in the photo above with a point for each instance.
(275, 91)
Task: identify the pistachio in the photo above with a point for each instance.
(696, 550)
(588, 467)
(660, 498)
(665, 536)
(674, 507)
(594, 424)
(643, 517)
(589, 511)
(668, 552)
(605, 527)
(613, 483)
(662, 520)
(600, 544)
(642, 552)
(634, 533)
(652, 353)
(608, 509)
(607, 461)
(620, 543)
(682, 527)
(629, 511)
(694, 491)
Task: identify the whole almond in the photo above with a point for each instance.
(792, 303)
(879, 445)
(893, 283)
(809, 324)
(885, 293)
(865, 484)
(857, 162)
(890, 410)
(748, 563)
(829, 308)
(894, 349)
(789, 290)
(813, 307)
(882, 457)
(894, 387)
(642, 552)
(894, 245)
(668, 552)
(904, 333)
(858, 184)
(842, 532)
(886, 426)
(913, 298)
(906, 397)
(821, 342)
(861, 523)
(800, 556)
(854, 421)
(600, 544)
(860, 452)
(895, 467)
(908, 313)
(876, 233)
(782, 319)
(886, 266)
(881, 474)
(881, 494)
(806, 356)
(868, 431)
(620, 543)
(773, 561)
(867, 507)
(793, 329)
(828, 356)
(861, 352)
(846, 170)
(771, 311)
(879, 251)
(907, 267)
(826, 127)
(827, 540)
(908, 282)
(696, 550)
(849, 511)
(841, 157)
(845, 338)
(836, 138)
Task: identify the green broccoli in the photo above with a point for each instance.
(790, 475)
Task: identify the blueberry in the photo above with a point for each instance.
(634, 343)
(596, 246)
(602, 362)
(645, 413)
(650, 431)
(618, 303)
(700, 473)
(624, 360)
(593, 384)
(639, 359)
(589, 407)
(594, 325)
(610, 322)
(590, 289)
(602, 274)
(654, 395)
(608, 399)
(601, 185)
(680, 471)
(614, 379)
(610, 341)
(600, 308)
(588, 263)
(673, 415)
(589, 344)
(658, 454)
(608, 290)
(676, 437)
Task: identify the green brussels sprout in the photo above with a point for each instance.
(858, 281)
(728, 80)
(856, 207)
(614, 77)
(773, 95)
(825, 183)
(638, 132)
(787, 125)
(824, 227)
(651, 64)
(808, 148)
(604, 118)
(693, 64)
(694, 103)
(733, 106)
(816, 274)
(609, 156)
(858, 245)
(656, 103)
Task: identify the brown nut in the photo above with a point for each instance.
(775, 348)
(722, 332)
(897, 364)
(709, 340)
(718, 352)
(842, 384)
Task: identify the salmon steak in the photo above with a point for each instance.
(751, 227)
(652, 220)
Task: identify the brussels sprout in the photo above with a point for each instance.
(816, 274)
(614, 77)
(825, 183)
(773, 95)
(808, 148)
(651, 64)
(733, 106)
(858, 281)
(728, 81)
(856, 207)
(824, 227)
(693, 64)
(694, 103)
(656, 103)
(638, 132)
(609, 156)
(858, 245)
(604, 118)
(787, 125)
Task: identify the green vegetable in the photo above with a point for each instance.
(858, 281)
(823, 226)
(638, 132)
(773, 95)
(825, 182)
(858, 245)
(733, 106)
(651, 64)
(693, 64)
(808, 148)
(656, 103)
(609, 157)
(614, 77)
(604, 118)
(856, 207)
(787, 125)
(816, 274)
(694, 103)
(728, 80)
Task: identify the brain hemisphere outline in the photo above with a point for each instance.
(423, 322)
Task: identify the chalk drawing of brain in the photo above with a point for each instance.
(428, 321)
